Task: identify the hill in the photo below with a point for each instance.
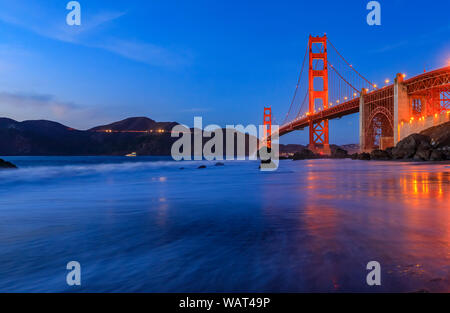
(136, 124)
(29, 138)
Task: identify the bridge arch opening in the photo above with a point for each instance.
(380, 134)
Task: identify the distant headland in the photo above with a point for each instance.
(142, 135)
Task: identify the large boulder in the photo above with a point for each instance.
(364, 156)
(4, 164)
(440, 135)
(380, 155)
(422, 154)
(339, 153)
(437, 155)
(304, 155)
(389, 151)
(408, 147)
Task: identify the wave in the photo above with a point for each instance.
(50, 172)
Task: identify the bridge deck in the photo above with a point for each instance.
(419, 83)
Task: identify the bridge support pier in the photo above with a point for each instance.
(323, 149)
(402, 108)
(362, 124)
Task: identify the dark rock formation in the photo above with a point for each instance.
(304, 155)
(437, 155)
(380, 155)
(202, 166)
(339, 153)
(354, 156)
(219, 164)
(440, 135)
(364, 156)
(432, 144)
(420, 147)
(5, 165)
(409, 146)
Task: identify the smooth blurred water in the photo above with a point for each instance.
(145, 225)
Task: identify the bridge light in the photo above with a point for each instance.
(374, 86)
(403, 75)
(387, 81)
(337, 101)
(345, 98)
(354, 94)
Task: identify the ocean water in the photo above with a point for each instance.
(145, 225)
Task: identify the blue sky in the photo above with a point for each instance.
(222, 60)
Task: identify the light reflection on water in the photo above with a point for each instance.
(146, 225)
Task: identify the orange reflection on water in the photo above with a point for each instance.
(399, 210)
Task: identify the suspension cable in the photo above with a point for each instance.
(303, 103)
(296, 88)
(343, 79)
(351, 66)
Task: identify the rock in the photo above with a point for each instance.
(202, 166)
(354, 156)
(380, 155)
(422, 154)
(5, 164)
(408, 147)
(304, 155)
(389, 151)
(447, 153)
(364, 156)
(440, 135)
(437, 155)
(220, 164)
(339, 153)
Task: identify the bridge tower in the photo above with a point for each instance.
(318, 68)
(268, 127)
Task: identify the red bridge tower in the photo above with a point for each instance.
(318, 68)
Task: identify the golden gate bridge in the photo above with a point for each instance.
(331, 87)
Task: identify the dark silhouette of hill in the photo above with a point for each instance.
(50, 138)
(44, 138)
(136, 124)
(136, 134)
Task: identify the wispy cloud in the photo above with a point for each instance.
(390, 47)
(90, 34)
(21, 106)
(145, 53)
(196, 110)
(51, 24)
(419, 40)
